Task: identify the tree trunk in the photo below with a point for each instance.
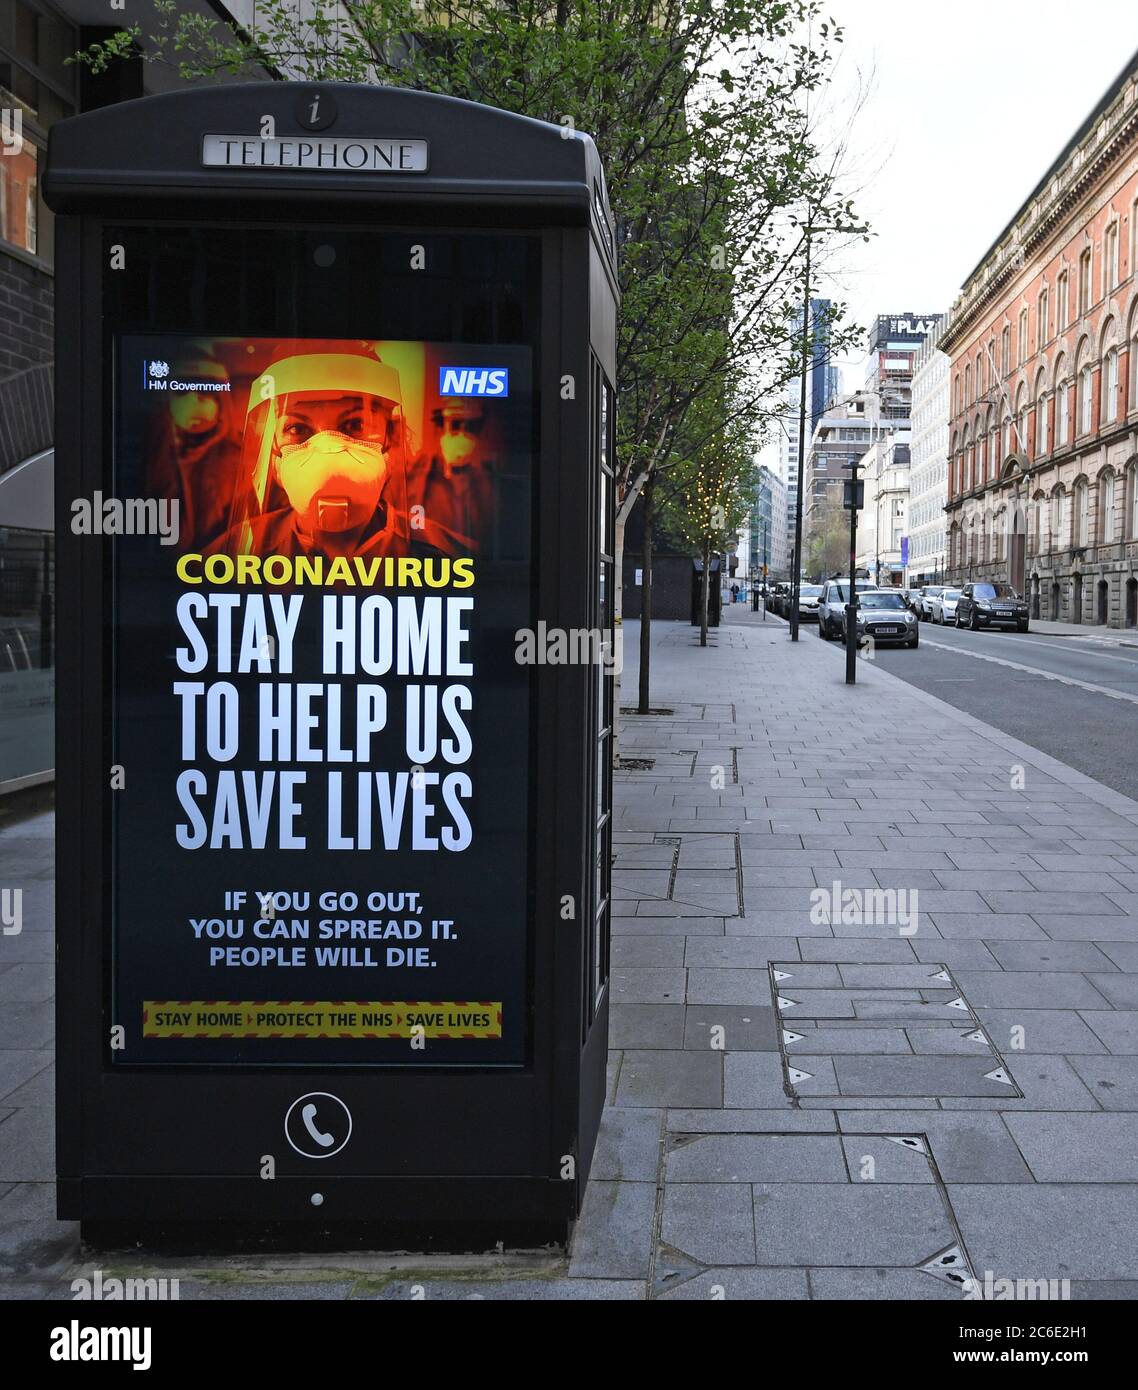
(705, 591)
(618, 630)
(646, 599)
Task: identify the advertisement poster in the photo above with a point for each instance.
(321, 825)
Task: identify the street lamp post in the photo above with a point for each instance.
(766, 537)
(852, 605)
(796, 570)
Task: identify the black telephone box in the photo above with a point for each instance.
(335, 511)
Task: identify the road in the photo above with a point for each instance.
(1073, 697)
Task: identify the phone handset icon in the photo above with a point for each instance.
(318, 1125)
(308, 1115)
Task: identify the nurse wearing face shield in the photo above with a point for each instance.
(323, 454)
(454, 480)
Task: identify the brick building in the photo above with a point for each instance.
(1043, 345)
(38, 87)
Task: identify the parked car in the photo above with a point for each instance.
(809, 596)
(832, 604)
(942, 606)
(991, 605)
(883, 615)
(777, 598)
(923, 606)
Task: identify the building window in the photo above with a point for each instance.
(1082, 513)
(1063, 306)
(1041, 321)
(1107, 502)
(968, 385)
(1084, 382)
(1005, 351)
(1055, 520)
(1134, 359)
(1021, 337)
(1084, 281)
(1110, 385)
(1041, 440)
(1110, 258)
(36, 89)
(1134, 502)
(1062, 404)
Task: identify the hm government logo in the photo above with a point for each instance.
(474, 381)
(158, 371)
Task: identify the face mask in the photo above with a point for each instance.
(333, 480)
(457, 449)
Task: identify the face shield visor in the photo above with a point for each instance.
(323, 439)
(459, 427)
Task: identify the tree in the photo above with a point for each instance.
(698, 110)
(828, 544)
(709, 496)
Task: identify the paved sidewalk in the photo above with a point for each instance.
(819, 1087)
(1117, 636)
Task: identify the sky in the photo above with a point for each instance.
(970, 102)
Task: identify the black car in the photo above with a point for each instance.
(991, 605)
(884, 616)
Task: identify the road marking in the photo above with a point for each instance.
(1035, 642)
(1036, 671)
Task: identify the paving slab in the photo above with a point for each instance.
(750, 1121)
(712, 1223)
(1047, 1083)
(647, 950)
(731, 1028)
(1040, 989)
(756, 1158)
(663, 1078)
(646, 1026)
(1049, 1231)
(1039, 1030)
(1078, 1148)
(855, 1224)
(1116, 1029)
(730, 986)
(808, 1039)
(613, 1236)
(628, 1145)
(879, 1283)
(648, 985)
(740, 1284)
(1113, 1081)
(738, 952)
(1057, 955)
(966, 1147)
(918, 1076)
(901, 1158)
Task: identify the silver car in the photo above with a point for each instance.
(884, 616)
(942, 607)
(832, 605)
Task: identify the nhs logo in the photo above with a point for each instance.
(474, 381)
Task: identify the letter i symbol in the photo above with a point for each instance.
(314, 113)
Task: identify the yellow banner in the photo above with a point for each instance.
(350, 1018)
